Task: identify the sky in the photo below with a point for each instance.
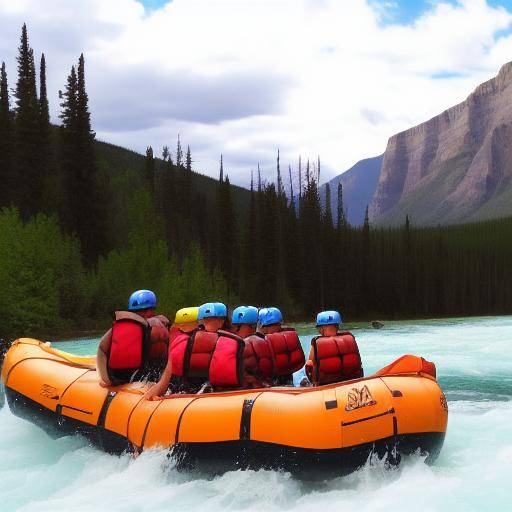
(244, 78)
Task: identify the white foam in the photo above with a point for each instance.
(472, 474)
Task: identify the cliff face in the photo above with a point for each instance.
(359, 184)
(455, 167)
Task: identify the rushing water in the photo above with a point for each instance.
(474, 362)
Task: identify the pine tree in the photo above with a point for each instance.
(221, 171)
(179, 154)
(85, 212)
(165, 153)
(279, 180)
(187, 182)
(28, 177)
(341, 216)
(44, 134)
(188, 160)
(7, 180)
(149, 170)
(292, 197)
(328, 208)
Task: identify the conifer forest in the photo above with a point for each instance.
(83, 223)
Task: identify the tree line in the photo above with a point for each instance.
(76, 238)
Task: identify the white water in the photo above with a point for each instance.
(474, 362)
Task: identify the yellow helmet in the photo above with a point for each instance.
(186, 315)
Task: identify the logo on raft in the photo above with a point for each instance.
(444, 403)
(49, 392)
(359, 398)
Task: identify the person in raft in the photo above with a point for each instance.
(258, 355)
(136, 346)
(334, 356)
(285, 345)
(185, 320)
(185, 324)
(206, 359)
(212, 316)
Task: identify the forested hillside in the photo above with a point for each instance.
(83, 223)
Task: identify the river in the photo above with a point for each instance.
(474, 363)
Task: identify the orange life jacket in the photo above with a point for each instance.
(259, 357)
(216, 357)
(336, 358)
(138, 345)
(287, 350)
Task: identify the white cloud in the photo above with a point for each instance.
(244, 78)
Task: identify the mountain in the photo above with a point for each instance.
(456, 167)
(359, 185)
(116, 159)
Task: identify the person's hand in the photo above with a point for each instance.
(105, 383)
(152, 393)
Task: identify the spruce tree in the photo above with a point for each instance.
(149, 170)
(279, 180)
(341, 216)
(44, 130)
(7, 181)
(328, 208)
(27, 137)
(179, 154)
(85, 211)
(187, 182)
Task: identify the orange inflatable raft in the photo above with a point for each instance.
(336, 428)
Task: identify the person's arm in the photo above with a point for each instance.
(159, 389)
(101, 359)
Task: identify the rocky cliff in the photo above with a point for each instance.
(455, 167)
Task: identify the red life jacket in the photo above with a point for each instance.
(259, 357)
(288, 353)
(158, 343)
(177, 348)
(130, 333)
(216, 357)
(137, 342)
(336, 358)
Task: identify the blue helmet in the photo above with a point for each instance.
(212, 310)
(245, 315)
(328, 318)
(269, 316)
(142, 299)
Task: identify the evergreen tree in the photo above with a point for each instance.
(7, 179)
(85, 211)
(292, 197)
(179, 154)
(44, 133)
(341, 216)
(328, 209)
(188, 160)
(28, 177)
(149, 170)
(187, 182)
(279, 180)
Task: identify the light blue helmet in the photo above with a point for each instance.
(328, 318)
(244, 315)
(212, 310)
(269, 316)
(142, 299)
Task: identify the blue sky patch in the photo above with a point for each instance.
(405, 12)
(153, 5)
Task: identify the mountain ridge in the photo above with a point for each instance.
(454, 167)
